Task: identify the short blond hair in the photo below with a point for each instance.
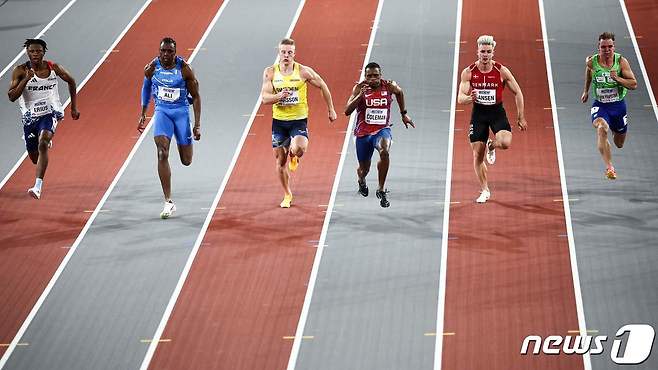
(287, 41)
(487, 40)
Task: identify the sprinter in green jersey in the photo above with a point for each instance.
(611, 76)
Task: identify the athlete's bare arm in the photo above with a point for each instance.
(314, 79)
(399, 97)
(66, 77)
(627, 78)
(465, 95)
(357, 93)
(267, 90)
(588, 79)
(19, 78)
(149, 70)
(192, 85)
(518, 97)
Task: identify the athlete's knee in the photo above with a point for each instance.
(186, 161)
(163, 154)
(43, 145)
(505, 143)
(383, 154)
(297, 151)
(602, 130)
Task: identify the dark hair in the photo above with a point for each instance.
(607, 36)
(372, 65)
(29, 42)
(168, 40)
(287, 41)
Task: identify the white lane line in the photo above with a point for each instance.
(294, 353)
(67, 258)
(197, 244)
(438, 346)
(563, 183)
(82, 84)
(43, 31)
(645, 75)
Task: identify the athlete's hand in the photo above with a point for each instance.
(363, 88)
(141, 124)
(29, 74)
(473, 96)
(283, 94)
(75, 114)
(196, 131)
(407, 121)
(614, 76)
(523, 125)
(332, 115)
(583, 98)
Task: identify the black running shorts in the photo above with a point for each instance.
(485, 117)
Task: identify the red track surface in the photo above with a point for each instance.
(35, 235)
(247, 285)
(643, 14)
(508, 273)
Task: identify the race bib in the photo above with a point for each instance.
(168, 93)
(40, 108)
(607, 95)
(376, 116)
(291, 99)
(485, 97)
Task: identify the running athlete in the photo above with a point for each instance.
(482, 85)
(284, 86)
(170, 80)
(372, 100)
(611, 75)
(34, 84)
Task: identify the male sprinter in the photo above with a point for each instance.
(170, 79)
(34, 84)
(284, 86)
(482, 85)
(372, 100)
(611, 75)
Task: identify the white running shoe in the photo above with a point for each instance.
(169, 209)
(491, 153)
(484, 196)
(34, 192)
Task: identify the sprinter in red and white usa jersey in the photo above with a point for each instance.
(34, 84)
(372, 99)
(482, 85)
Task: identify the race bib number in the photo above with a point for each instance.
(485, 97)
(168, 93)
(376, 116)
(607, 95)
(291, 99)
(40, 108)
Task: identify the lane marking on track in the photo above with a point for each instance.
(434, 334)
(570, 200)
(542, 40)
(192, 49)
(153, 340)
(257, 115)
(457, 42)
(208, 208)
(590, 331)
(578, 297)
(550, 108)
(303, 316)
(23, 344)
(637, 37)
(638, 54)
(197, 244)
(43, 31)
(440, 312)
(67, 258)
(304, 337)
(92, 210)
(110, 50)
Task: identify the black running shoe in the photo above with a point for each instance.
(363, 188)
(381, 195)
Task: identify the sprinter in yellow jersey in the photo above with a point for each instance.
(284, 86)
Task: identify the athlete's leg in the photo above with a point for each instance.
(34, 156)
(619, 139)
(479, 165)
(383, 147)
(281, 155)
(183, 134)
(602, 142)
(298, 146)
(162, 144)
(44, 143)
(503, 140)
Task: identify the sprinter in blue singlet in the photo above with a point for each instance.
(171, 82)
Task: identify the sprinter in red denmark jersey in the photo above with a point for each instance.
(482, 85)
(372, 98)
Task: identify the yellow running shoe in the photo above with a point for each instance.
(610, 173)
(287, 199)
(294, 162)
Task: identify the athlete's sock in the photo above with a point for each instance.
(38, 183)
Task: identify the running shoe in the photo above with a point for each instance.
(169, 209)
(491, 152)
(294, 162)
(381, 195)
(610, 173)
(484, 196)
(363, 188)
(34, 192)
(287, 200)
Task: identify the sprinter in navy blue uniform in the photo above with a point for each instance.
(171, 82)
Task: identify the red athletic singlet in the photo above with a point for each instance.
(374, 110)
(488, 86)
